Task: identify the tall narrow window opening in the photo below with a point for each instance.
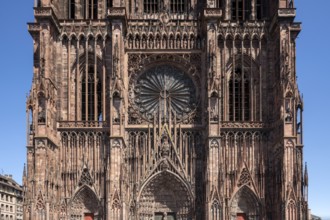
(90, 9)
(95, 9)
(109, 3)
(218, 4)
(30, 120)
(239, 96)
(38, 3)
(240, 9)
(178, 6)
(72, 9)
(151, 6)
(259, 10)
(91, 95)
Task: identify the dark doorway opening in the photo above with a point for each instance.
(241, 216)
(163, 216)
(89, 216)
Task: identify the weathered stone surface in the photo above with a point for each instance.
(173, 111)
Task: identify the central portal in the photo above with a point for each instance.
(165, 197)
(165, 216)
(89, 216)
(241, 216)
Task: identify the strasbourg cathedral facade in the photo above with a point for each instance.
(164, 109)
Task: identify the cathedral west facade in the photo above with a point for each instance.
(164, 109)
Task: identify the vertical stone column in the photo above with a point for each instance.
(227, 9)
(47, 211)
(253, 10)
(114, 211)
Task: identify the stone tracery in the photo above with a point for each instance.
(167, 65)
(164, 90)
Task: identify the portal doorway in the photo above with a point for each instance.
(89, 216)
(241, 216)
(165, 197)
(165, 216)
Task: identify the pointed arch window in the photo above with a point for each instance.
(72, 9)
(240, 9)
(239, 96)
(91, 106)
(85, 9)
(151, 6)
(259, 9)
(90, 9)
(219, 3)
(178, 6)
(109, 3)
(291, 211)
(216, 211)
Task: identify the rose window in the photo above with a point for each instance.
(164, 89)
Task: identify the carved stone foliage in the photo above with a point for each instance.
(165, 193)
(150, 71)
(164, 90)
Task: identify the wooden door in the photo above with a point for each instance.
(89, 216)
(241, 216)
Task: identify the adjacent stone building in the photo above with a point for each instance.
(165, 109)
(11, 199)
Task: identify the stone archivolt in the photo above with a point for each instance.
(165, 193)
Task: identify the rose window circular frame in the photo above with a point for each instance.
(162, 89)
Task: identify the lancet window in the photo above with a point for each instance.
(72, 9)
(88, 9)
(91, 95)
(260, 11)
(291, 211)
(151, 6)
(178, 6)
(240, 9)
(109, 3)
(239, 95)
(215, 211)
(219, 3)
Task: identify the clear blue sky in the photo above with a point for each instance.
(313, 49)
